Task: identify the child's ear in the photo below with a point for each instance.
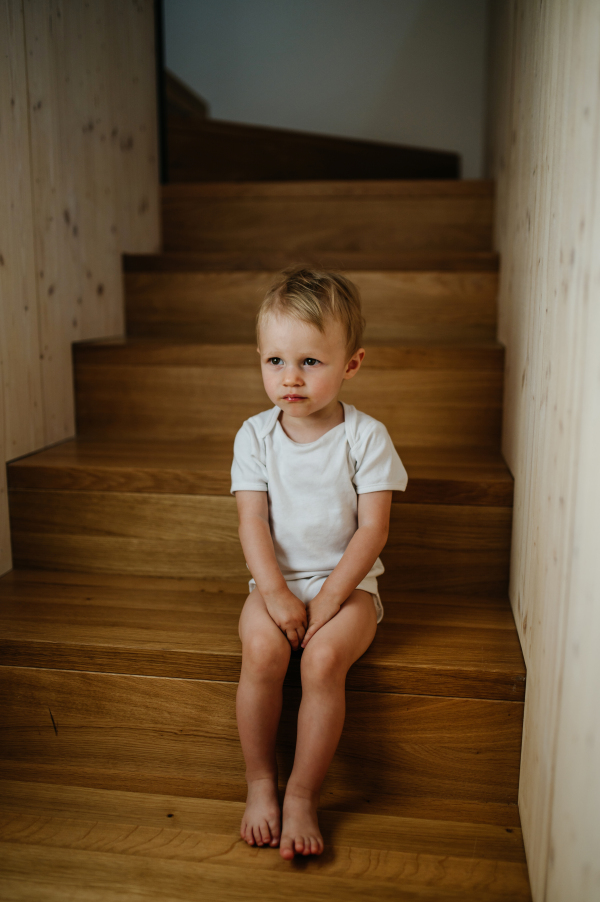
(353, 365)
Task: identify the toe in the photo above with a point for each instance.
(274, 828)
(315, 846)
(265, 833)
(299, 844)
(257, 836)
(286, 849)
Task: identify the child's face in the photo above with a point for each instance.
(303, 369)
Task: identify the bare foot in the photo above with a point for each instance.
(301, 834)
(261, 823)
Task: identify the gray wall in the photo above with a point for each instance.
(406, 71)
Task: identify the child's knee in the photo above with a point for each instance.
(265, 658)
(321, 663)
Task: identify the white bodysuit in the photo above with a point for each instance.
(312, 491)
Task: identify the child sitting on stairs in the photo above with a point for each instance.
(313, 478)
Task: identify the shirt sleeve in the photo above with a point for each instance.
(378, 466)
(249, 469)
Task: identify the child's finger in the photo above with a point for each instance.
(310, 632)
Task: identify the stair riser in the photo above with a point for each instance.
(440, 547)
(426, 407)
(179, 736)
(217, 307)
(303, 224)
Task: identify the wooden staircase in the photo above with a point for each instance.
(121, 763)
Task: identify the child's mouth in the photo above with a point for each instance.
(294, 398)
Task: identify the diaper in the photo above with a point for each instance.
(307, 587)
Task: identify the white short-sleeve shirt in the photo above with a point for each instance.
(313, 488)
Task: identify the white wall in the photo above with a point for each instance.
(406, 71)
(545, 151)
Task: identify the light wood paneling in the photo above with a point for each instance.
(304, 217)
(180, 736)
(19, 326)
(79, 184)
(544, 152)
(221, 307)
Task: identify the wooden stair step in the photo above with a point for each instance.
(474, 476)
(307, 217)
(269, 260)
(430, 645)
(202, 149)
(222, 306)
(71, 836)
(164, 509)
(436, 394)
(399, 753)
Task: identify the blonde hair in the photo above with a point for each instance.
(315, 297)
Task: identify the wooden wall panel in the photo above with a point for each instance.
(545, 153)
(79, 186)
(19, 328)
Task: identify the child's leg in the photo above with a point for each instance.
(265, 658)
(325, 663)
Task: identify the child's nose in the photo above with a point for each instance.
(292, 376)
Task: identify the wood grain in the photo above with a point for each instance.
(474, 476)
(300, 217)
(430, 395)
(21, 387)
(212, 816)
(157, 734)
(544, 154)
(221, 307)
(419, 854)
(105, 876)
(427, 646)
(443, 547)
(65, 182)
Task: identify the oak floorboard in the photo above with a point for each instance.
(424, 647)
(157, 734)
(221, 307)
(436, 475)
(401, 834)
(409, 852)
(436, 395)
(455, 548)
(328, 216)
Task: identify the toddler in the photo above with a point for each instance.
(313, 478)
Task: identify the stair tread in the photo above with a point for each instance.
(456, 355)
(259, 260)
(436, 475)
(334, 188)
(193, 844)
(428, 644)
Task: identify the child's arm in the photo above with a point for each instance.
(285, 609)
(363, 550)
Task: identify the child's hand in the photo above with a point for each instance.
(320, 610)
(289, 614)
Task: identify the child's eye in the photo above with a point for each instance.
(276, 361)
(310, 361)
